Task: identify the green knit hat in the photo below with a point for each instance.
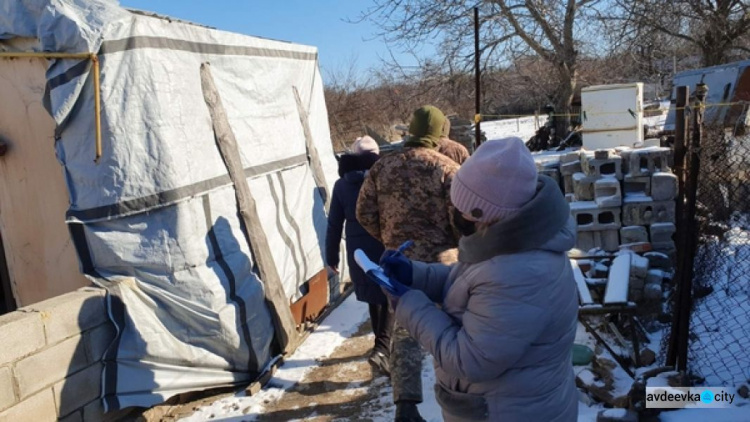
(426, 127)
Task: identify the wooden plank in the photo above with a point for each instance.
(41, 258)
(286, 333)
(619, 281)
(583, 289)
(313, 158)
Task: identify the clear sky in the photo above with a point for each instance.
(321, 23)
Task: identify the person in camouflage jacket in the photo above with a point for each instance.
(451, 148)
(406, 196)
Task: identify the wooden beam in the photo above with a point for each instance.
(286, 332)
(313, 158)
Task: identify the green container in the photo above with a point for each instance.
(582, 355)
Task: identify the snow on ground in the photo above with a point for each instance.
(522, 127)
(343, 323)
(720, 322)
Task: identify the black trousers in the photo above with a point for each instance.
(381, 318)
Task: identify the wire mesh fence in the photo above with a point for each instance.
(719, 339)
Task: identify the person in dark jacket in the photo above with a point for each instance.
(352, 169)
(501, 340)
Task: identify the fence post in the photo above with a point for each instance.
(681, 136)
(691, 243)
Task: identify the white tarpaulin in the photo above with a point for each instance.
(155, 221)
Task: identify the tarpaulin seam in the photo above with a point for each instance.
(280, 228)
(294, 225)
(146, 203)
(163, 43)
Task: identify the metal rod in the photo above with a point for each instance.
(477, 84)
(97, 108)
(43, 55)
(97, 86)
(601, 341)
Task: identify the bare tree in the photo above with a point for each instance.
(553, 30)
(717, 28)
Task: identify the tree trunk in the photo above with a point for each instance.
(565, 94)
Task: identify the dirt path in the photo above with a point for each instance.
(343, 387)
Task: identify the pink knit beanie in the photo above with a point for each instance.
(365, 144)
(496, 181)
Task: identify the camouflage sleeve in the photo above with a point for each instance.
(368, 214)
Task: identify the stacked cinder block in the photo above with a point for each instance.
(51, 359)
(591, 181)
(650, 189)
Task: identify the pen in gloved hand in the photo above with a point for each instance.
(405, 246)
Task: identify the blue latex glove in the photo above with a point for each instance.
(397, 266)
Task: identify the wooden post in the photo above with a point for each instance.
(313, 158)
(681, 136)
(691, 232)
(285, 330)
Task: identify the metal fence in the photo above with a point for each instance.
(719, 340)
(709, 337)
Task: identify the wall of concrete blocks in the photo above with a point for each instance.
(623, 198)
(51, 358)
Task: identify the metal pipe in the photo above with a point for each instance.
(97, 108)
(43, 55)
(97, 85)
(477, 85)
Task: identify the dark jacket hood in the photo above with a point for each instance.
(356, 162)
(542, 222)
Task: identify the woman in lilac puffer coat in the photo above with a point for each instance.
(502, 338)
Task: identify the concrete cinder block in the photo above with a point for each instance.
(22, 333)
(98, 340)
(633, 234)
(652, 292)
(640, 212)
(571, 157)
(569, 169)
(45, 368)
(568, 184)
(78, 389)
(585, 241)
(636, 283)
(552, 173)
(604, 166)
(7, 392)
(607, 193)
(39, 407)
(663, 186)
(640, 185)
(662, 232)
(583, 186)
(590, 217)
(638, 266)
(655, 277)
(610, 240)
(71, 314)
(658, 260)
(646, 161)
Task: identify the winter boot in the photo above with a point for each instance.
(406, 411)
(379, 360)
